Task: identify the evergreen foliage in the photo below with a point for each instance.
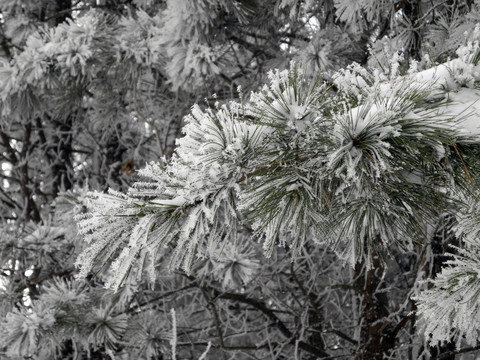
(319, 201)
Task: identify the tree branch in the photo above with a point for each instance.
(276, 321)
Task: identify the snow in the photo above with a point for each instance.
(465, 106)
(453, 81)
(176, 201)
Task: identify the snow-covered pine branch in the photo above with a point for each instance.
(191, 201)
(450, 306)
(364, 169)
(295, 158)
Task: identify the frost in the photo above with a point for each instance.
(451, 308)
(360, 170)
(288, 101)
(210, 159)
(23, 330)
(221, 148)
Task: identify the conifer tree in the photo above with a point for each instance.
(318, 201)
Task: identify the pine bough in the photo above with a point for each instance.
(363, 168)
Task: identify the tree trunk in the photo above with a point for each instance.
(376, 340)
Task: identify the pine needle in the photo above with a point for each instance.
(464, 165)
